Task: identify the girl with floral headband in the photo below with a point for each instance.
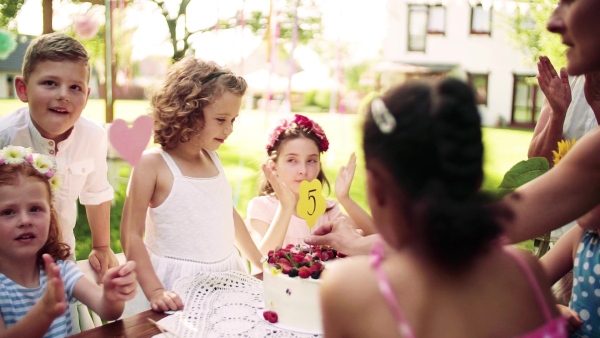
(37, 280)
(294, 150)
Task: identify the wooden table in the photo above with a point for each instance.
(136, 326)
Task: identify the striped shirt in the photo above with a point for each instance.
(16, 300)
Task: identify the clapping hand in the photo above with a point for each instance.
(556, 88)
(345, 177)
(54, 302)
(120, 283)
(285, 196)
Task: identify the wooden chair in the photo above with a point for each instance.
(541, 245)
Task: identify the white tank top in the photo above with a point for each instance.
(195, 222)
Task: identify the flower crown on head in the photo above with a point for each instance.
(298, 121)
(42, 163)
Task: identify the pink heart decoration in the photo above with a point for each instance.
(131, 143)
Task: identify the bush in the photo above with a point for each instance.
(309, 98)
(323, 99)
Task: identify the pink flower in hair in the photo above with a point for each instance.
(302, 122)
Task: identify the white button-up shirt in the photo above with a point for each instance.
(80, 160)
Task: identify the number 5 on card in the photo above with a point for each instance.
(311, 203)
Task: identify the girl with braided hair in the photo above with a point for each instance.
(440, 271)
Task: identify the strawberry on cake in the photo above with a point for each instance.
(291, 286)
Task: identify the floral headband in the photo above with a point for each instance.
(42, 163)
(301, 122)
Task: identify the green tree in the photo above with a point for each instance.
(9, 10)
(309, 23)
(529, 34)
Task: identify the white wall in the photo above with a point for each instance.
(472, 53)
(4, 85)
(3, 89)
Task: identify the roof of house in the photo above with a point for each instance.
(15, 60)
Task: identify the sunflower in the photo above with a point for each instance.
(563, 148)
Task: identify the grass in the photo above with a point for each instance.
(243, 153)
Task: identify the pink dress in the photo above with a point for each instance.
(553, 328)
(263, 208)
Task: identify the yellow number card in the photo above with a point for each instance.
(311, 203)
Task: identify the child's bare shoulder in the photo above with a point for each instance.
(151, 160)
(531, 260)
(349, 275)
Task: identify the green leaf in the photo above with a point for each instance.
(524, 172)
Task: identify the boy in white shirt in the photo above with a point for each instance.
(54, 83)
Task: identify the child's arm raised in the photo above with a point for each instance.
(53, 304)
(273, 234)
(108, 301)
(361, 218)
(141, 188)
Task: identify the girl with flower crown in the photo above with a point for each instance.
(37, 280)
(294, 150)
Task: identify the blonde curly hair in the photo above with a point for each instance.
(178, 102)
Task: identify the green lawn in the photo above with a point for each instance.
(243, 152)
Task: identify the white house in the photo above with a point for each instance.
(11, 67)
(469, 40)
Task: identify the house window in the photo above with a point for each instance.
(527, 101)
(417, 27)
(479, 82)
(436, 23)
(481, 20)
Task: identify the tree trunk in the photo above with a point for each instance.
(47, 16)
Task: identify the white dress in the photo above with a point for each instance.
(191, 231)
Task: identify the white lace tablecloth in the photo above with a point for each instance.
(222, 304)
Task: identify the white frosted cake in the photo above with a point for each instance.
(291, 286)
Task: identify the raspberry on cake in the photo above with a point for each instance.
(291, 285)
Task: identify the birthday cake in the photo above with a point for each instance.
(291, 286)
